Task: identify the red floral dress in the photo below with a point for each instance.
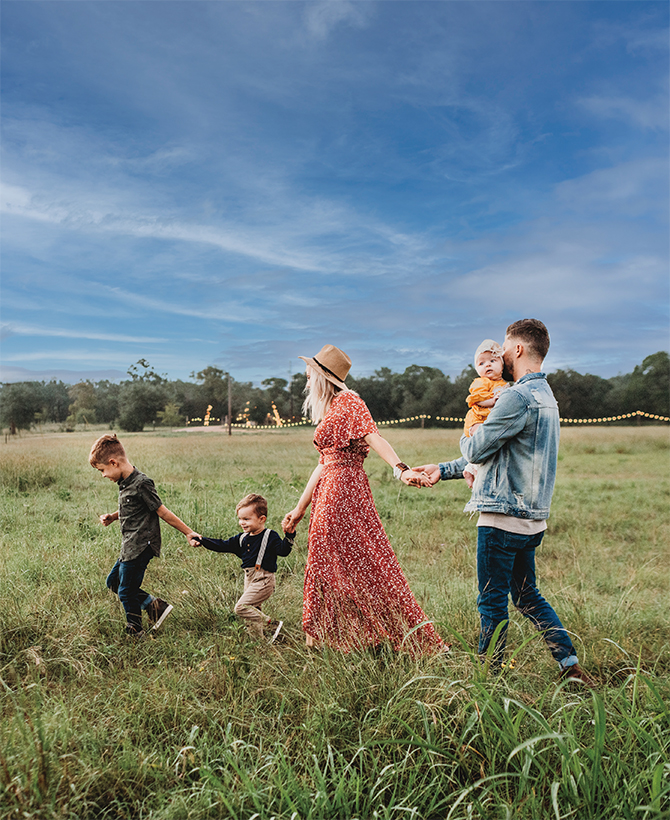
(356, 594)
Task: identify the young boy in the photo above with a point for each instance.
(258, 548)
(485, 390)
(140, 509)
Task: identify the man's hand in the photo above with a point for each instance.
(108, 518)
(415, 478)
(430, 474)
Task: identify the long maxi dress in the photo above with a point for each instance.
(355, 593)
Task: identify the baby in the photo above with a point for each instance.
(485, 390)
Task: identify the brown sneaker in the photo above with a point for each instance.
(575, 674)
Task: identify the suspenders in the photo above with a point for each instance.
(261, 551)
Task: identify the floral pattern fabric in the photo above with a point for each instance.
(356, 594)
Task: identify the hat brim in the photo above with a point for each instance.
(330, 376)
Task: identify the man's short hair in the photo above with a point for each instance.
(256, 501)
(106, 448)
(532, 333)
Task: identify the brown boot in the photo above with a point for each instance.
(575, 674)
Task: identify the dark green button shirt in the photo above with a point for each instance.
(140, 524)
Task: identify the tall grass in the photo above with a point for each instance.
(202, 723)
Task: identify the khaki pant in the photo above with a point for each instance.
(259, 584)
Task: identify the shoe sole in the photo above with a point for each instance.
(276, 632)
(162, 617)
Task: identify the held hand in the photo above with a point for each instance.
(291, 520)
(107, 519)
(430, 473)
(194, 539)
(414, 478)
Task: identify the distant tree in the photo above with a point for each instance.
(139, 403)
(19, 402)
(107, 401)
(580, 395)
(55, 401)
(381, 392)
(170, 416)
(648, 388)
(82, 403)
(142, 371)
(276, 392)
(425, 390)
(214, 391)
(141, 398)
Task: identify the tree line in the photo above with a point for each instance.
(148, 398)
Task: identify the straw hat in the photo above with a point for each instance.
(332, 363)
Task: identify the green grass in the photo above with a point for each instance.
(201, 723)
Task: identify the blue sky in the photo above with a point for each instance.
(239, 183)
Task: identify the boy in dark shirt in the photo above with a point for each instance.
(258, 548)
(140, 509)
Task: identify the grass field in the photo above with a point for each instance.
(201, 723)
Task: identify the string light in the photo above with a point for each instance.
(458, 420)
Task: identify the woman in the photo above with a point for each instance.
(355, 592)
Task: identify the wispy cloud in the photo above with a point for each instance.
(322, 16)
(650, 113)
(19, 329)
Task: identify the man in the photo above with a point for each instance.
(516, 451)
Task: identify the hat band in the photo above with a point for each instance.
(328, 370)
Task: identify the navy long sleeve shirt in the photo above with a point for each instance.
(250, 546)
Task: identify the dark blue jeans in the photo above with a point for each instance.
(506, 566)
(125, 580)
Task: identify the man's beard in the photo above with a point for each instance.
(507, 373)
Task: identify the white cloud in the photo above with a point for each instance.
(18, 329)
(644, 113)
(322, 16)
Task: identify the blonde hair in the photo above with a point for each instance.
(320, 394)
(106, 448)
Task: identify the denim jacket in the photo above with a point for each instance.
(516, 450)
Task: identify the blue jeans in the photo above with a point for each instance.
(506, 565)
(125, 579)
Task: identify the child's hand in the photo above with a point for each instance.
(108, 518)
(194, 539)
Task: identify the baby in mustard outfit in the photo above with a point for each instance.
(485, 390)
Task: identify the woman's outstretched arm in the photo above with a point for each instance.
(293, 518)
(385, 451)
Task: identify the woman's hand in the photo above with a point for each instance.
(430, 473)
(415, 478)
(292, 519)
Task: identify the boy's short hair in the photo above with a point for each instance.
(533, 333)
(256, 501)
(106, 448)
